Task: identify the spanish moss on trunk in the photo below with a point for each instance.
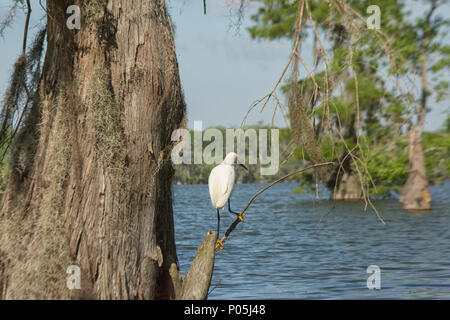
(94, 187)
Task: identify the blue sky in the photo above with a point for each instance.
(222, 69)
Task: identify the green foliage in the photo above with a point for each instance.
(447, 123)
(437, 154)
(419, 36)
(407, 37)
(387, 162)
(442, 90)
(275, 19)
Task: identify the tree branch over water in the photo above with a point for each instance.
(236, 222)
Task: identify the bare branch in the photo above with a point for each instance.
(197, 280)
(236, 222)
(25, 31)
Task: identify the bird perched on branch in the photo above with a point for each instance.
(221, 184)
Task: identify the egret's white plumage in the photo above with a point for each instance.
(221, 181)
(221, 184)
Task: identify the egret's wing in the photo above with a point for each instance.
(225, 179)
(221, 181)
(229, 182)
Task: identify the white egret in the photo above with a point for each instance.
(221, 184)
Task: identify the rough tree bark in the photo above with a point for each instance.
(348, 183)
(348, 188)
(415, 194)
(94, 187)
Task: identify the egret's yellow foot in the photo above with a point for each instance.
(219, 245)
(241, 217)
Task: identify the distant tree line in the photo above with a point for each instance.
(387, 161)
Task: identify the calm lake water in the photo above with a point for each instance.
(296, 247)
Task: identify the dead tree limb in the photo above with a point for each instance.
(25, 31)
(197, 280)
(236, 222)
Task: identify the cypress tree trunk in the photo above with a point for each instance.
(348, 183)
(94, 187)
(415, 194)
(348, 188)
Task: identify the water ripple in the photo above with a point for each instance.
(295, 247)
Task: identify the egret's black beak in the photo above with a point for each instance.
(243, 166)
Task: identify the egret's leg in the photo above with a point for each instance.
(218, 230)
(238, 214)
(218, 224)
